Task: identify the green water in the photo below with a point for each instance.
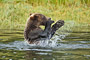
(71, 45)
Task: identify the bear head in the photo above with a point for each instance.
(39, 19)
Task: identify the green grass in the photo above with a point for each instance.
(14, 13)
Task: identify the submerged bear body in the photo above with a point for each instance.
(33, 33)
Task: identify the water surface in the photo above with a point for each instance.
(68, 45)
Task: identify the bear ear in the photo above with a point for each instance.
(34, 17)
(30, 14)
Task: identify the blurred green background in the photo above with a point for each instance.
(14, 13)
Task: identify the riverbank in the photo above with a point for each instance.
(13, 15)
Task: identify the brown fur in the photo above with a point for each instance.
(33, 33)
(32, 29)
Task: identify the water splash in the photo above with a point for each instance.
(23, 45)
(53, 43)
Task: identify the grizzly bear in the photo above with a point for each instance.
(33, 33)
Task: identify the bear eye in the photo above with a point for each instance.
(43, 17)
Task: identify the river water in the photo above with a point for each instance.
(69, 45)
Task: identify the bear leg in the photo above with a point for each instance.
(56, 26)
(47, 31)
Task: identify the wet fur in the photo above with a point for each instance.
(33, 33)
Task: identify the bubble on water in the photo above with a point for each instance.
(3, 56)
(10, 59)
